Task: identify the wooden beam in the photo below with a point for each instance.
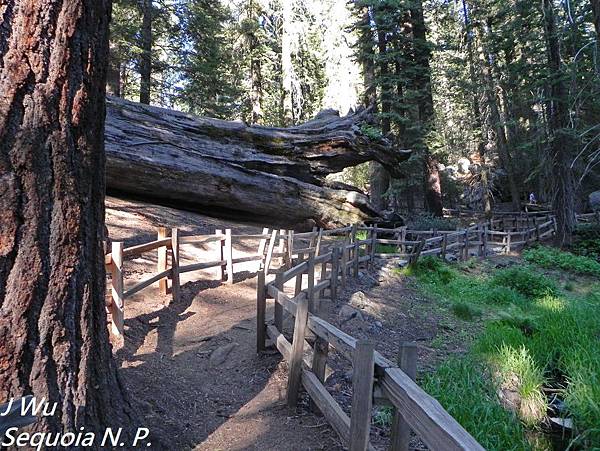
(295, 364)
(175, 288)
(161, 264)
(362, 395)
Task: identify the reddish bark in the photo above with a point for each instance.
(53, 335)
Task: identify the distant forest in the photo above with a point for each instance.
(497, 99)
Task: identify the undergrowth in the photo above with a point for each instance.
(534, 335)
(551, 258)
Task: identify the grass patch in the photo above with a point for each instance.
(465, 311)
(534, 334)
(551, 258)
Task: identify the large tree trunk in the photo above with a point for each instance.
(261, 174)
(146, 56)
(379, 176)
(495, 125)
(433, 189)
(256, 90)
(113, 76)
(478, 120)
(53, 331)
(561, 138)
(286, 65)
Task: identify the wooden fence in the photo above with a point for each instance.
(356, 245)
(374, 377)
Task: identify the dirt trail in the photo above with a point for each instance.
(188, 400)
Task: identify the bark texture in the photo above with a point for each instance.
(146, 56)
(53, 334)
(229, 169)
(433, 188)
(562, 141)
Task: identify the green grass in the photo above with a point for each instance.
(552, 258)
(533, 334)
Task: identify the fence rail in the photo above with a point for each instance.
(307, 357)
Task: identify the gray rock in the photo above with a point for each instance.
(348, 313)
(359, 299)
(594, 200)
(220, 354)
(378, 324)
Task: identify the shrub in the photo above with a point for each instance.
(525, 281)
(429, 222)
(465, 390)
(552, 258)
(501, 295)
(433, 270)
(465, 311)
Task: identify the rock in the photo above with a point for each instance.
(348, 313)
(594, 200)
(359, 299)
(220, 354)
(378, 324)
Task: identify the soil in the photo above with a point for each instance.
(189, 401)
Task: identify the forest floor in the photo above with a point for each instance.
(191, 367)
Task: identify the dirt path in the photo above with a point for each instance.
(186, 396)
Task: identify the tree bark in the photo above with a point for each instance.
(113, 77)
(433, 190)
(481, 150)
(272, 176)
(146, 56)
(379, 176)
(495, 125)
(561, 138)
(286, 65)
(53, 330)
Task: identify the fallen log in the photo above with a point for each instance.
(249, 173)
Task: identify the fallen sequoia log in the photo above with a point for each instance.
(249, 173)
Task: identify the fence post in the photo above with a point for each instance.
(269, 256)
(278, 310)
(323, 276)
(229, 256)
(356, 258)
(319, 364)
(161, 264)
(298, 287)
(485, 241)
(344, 267)
(261, 307)
(175, 264)
(221, 255)
(508, 239)
(537, 232)
(335, 261)
(444, 246)
(467, 244)
(295, 366)
(373, 246)
(290, 249)
(407, 360)
(318, 243)
(117, 307)
(281, 247)
(262, 245)
(310, 291)
(363, 365)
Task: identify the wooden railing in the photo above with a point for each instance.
(168, 246)
(374, 377)
(289, 246)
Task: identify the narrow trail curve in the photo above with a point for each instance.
(187, 400)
